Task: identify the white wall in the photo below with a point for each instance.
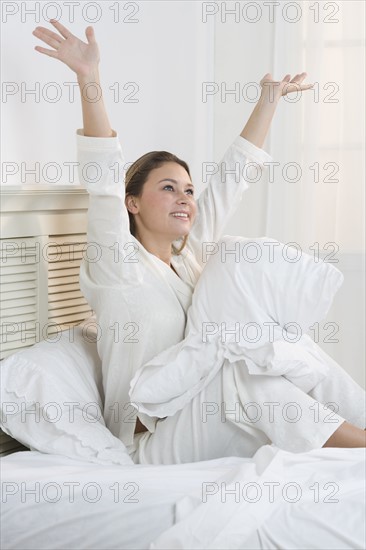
(243, 55)
(167, 53)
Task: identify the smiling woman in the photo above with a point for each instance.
(153, 214)
(152, 204)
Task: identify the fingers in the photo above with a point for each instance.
(295, 84)
(47, 36)
(295, 87)
(90, 36)
(306, 86)
(61, 29)
(288, 85)
(298, 81)
(299, 77)
(50, 53)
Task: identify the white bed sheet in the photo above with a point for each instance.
(328, 511)
(113, 521)
(318, 503)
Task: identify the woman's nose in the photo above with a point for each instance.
(182, 198)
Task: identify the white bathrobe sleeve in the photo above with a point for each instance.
(242, 163)
(112, 254)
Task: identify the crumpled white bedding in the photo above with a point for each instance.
(281, 500)
(52, 502)
(274, 500)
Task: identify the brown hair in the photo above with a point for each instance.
(138, 173)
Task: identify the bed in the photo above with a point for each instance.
(67, 482)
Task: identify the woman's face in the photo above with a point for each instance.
(167, 191)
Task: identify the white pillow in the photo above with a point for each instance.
(259, 286)
(52, 398)
(269, 281)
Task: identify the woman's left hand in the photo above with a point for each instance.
(286, 85)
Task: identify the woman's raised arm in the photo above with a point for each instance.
(257, 127)
(82, 58)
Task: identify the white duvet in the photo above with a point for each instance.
(276, 500)
(79, 505)
(279, 501)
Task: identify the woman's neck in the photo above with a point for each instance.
(163, 251)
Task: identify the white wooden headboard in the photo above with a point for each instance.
(42, 240)
(43, 236)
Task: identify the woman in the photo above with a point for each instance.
(147, 261)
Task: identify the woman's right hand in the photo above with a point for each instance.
(82, 58)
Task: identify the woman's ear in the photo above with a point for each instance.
(131, 205)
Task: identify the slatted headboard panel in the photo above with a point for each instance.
(43, 237)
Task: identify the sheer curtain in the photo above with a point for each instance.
(320, 142)
(315, 195)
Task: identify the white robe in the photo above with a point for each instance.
(140, 303)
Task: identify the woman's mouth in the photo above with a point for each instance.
(181, 216)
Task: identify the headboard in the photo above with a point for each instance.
(43, 238)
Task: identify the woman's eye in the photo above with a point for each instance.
(171, 187)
